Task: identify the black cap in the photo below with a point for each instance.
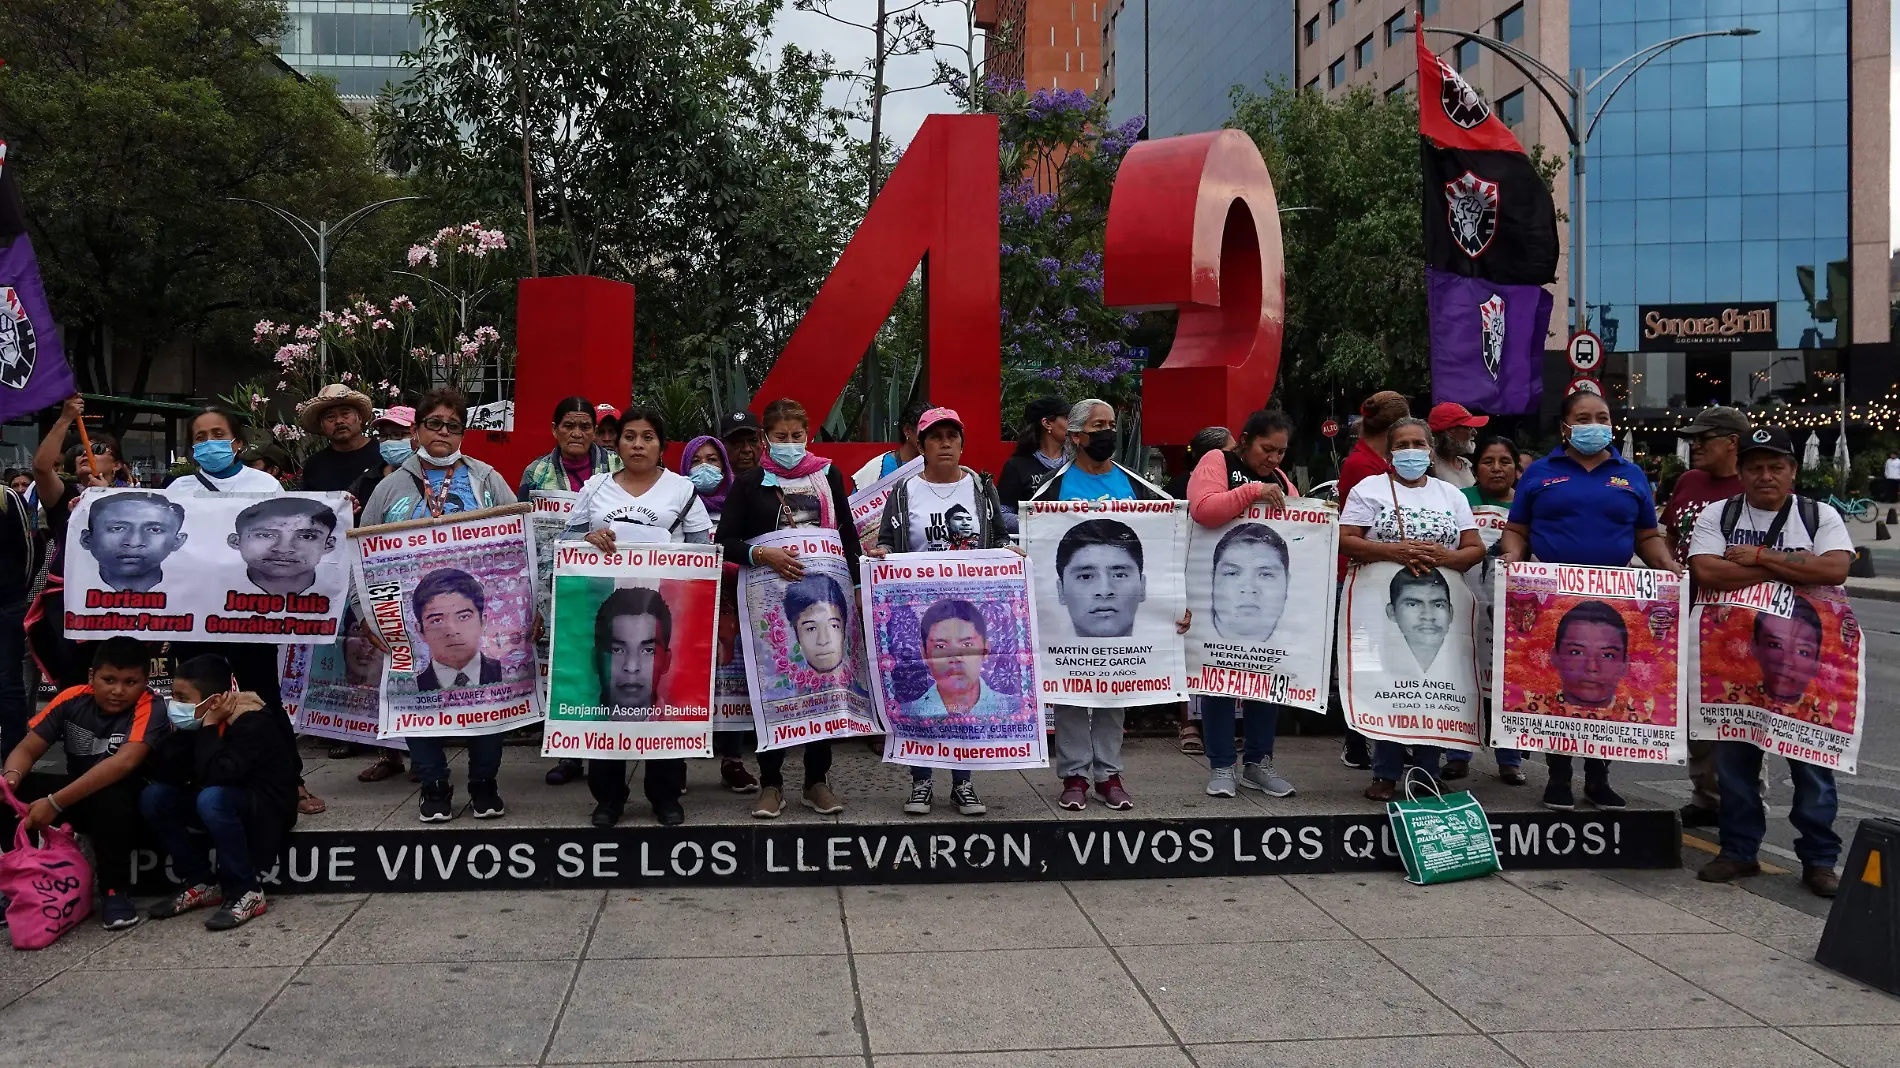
(737, 421)
(1768, 439)
(1044, 408)
(1720, 418)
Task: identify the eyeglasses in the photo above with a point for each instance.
(443, 426)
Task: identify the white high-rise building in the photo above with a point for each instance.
(359, 43)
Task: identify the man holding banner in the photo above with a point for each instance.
(1810, 674)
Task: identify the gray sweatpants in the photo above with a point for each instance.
(1088, 742)
(1705, 792)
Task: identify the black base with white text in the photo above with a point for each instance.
(769, 854)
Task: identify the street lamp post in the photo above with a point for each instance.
(1579, 124)
(321, 238)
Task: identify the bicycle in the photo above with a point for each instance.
(1860, 508)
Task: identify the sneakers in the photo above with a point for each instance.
(819, 798)
(605, 815)
(919, 803)
(201, 896)
(1220, 782)
(1558, 796)
(437, 803)
(564, 771)
(1510, 775)
(1075, 793)
(1822, 881)
(1113, 794)
(771, 802)
(671, 814)
(483, 802)
(1600, 795)
(1263, 778)
(1355, 754)
(1382, 790)
(1694, 815)
(1725, 869)
(736, 778)
(968, 804)
(238, 913)
(118, 913)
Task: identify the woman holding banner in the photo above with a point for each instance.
(790, 488)
(921, 516)
(708, 466)
(1584, 504)
(1223, 485)
(1495, 467)
(642, 502)
(1407, 517)
(437, 481)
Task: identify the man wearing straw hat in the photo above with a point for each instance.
(338, 414)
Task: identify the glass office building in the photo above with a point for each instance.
(1196, 52)
(1719, 178)
(358, 43)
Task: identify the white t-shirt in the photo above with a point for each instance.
(669, 507)
(1456, 471)
(943, 517)
(1751, 527)
(1893, 468)
(1435, 511)
(244, 480)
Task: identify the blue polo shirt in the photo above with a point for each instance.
(1584, 517)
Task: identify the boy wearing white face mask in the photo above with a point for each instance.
(233, 776)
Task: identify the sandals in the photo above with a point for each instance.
(341, 751)
(385, 767)
(1189, 739)
(309, 804)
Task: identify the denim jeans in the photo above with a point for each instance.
(173, 812)
(15, 709)
(956, 774)
(1388, 759)
(1743, 821)
(1259, 718)
(432, 762)
(1507, 758)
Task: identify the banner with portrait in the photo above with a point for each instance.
(332, 691)
(1407, 663)
(633, 651)
(1108, 583)
(732, 699)
(552, 509)
(867, 504)
(1482, 581)
(453, 600)
(1588, 662)
(1783, 668)
(221, 567)
(804, 649)
(1243, 577)
(953, 644)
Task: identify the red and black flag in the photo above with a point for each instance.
(1487, 212)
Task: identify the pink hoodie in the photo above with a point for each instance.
(1210, 502)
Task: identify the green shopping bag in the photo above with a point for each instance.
(1441, 839)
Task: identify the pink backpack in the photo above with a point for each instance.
(48, 887)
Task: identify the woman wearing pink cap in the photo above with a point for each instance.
(395, 431)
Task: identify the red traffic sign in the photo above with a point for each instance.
(1330, 428)
(1585, 351)
(1584, 384)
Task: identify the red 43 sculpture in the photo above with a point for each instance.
(1192, 225)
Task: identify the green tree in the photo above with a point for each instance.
(130, 122)
(668, 148)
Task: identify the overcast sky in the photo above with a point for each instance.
(851, 49)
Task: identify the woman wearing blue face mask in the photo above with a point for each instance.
(217, 445)
(1407, 517)
(1584, 504)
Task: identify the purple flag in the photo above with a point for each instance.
(33, 369)
(1487, 342)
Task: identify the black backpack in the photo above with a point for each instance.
(1807, 507)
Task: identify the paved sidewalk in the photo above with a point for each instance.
(1617, 969)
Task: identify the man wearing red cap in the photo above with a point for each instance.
(606, 425)
(1454, 439)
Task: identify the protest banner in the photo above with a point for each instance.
(1408, 668)
(1588, 663)
(1241, 578)
(551, 511)
(633, 651)
(732, 700)
(1482, 581)
(953, 672)
(453, 600)
(804, 650)
(867, 504)
(1783, 668)
(222, 567)
(333, 690)
(1107, 579)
